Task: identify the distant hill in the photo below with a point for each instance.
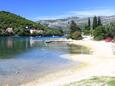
(64, 23)
(108, 19)
(58, 23)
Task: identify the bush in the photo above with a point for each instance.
(110, 30)
(76, 35)
(75, 31)
(99, 33)
(86, 32)
(99, 37)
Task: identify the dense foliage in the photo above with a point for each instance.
(75, 31)
(21, 26)
(99, 33)
(96, 22)
(110, 30)
(8, 19)
(104, 31)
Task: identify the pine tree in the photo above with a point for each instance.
(95, 23)
(99, 21)
(89, 23)
(74, 27)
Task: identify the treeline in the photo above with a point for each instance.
(22, 26)
(96, 29)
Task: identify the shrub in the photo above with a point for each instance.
(76, 35)
(99, 37)
(99, 33)
(86, 32)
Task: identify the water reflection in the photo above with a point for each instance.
(10, 47)
(9, 43)
(77, 49)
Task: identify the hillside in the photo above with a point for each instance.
(20, 26)
(58, 23)
(8, 19)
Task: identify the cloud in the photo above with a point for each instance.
(88, 13)
(50, 17)
(80, 13)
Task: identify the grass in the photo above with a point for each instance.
(95, 81)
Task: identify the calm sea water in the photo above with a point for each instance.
(23, 59)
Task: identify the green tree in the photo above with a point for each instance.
(99, 21)
(75, 31)
(86, 30)
(110, 30)
(89, 23)
(95, 23)
(99, 33)
(74, 27)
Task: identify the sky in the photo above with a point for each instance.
(54, 9)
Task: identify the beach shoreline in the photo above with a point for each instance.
(99, 63)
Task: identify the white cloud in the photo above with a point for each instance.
(88, 13)
(81, 13)
(50, 17)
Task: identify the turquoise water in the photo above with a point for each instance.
(23, 59)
